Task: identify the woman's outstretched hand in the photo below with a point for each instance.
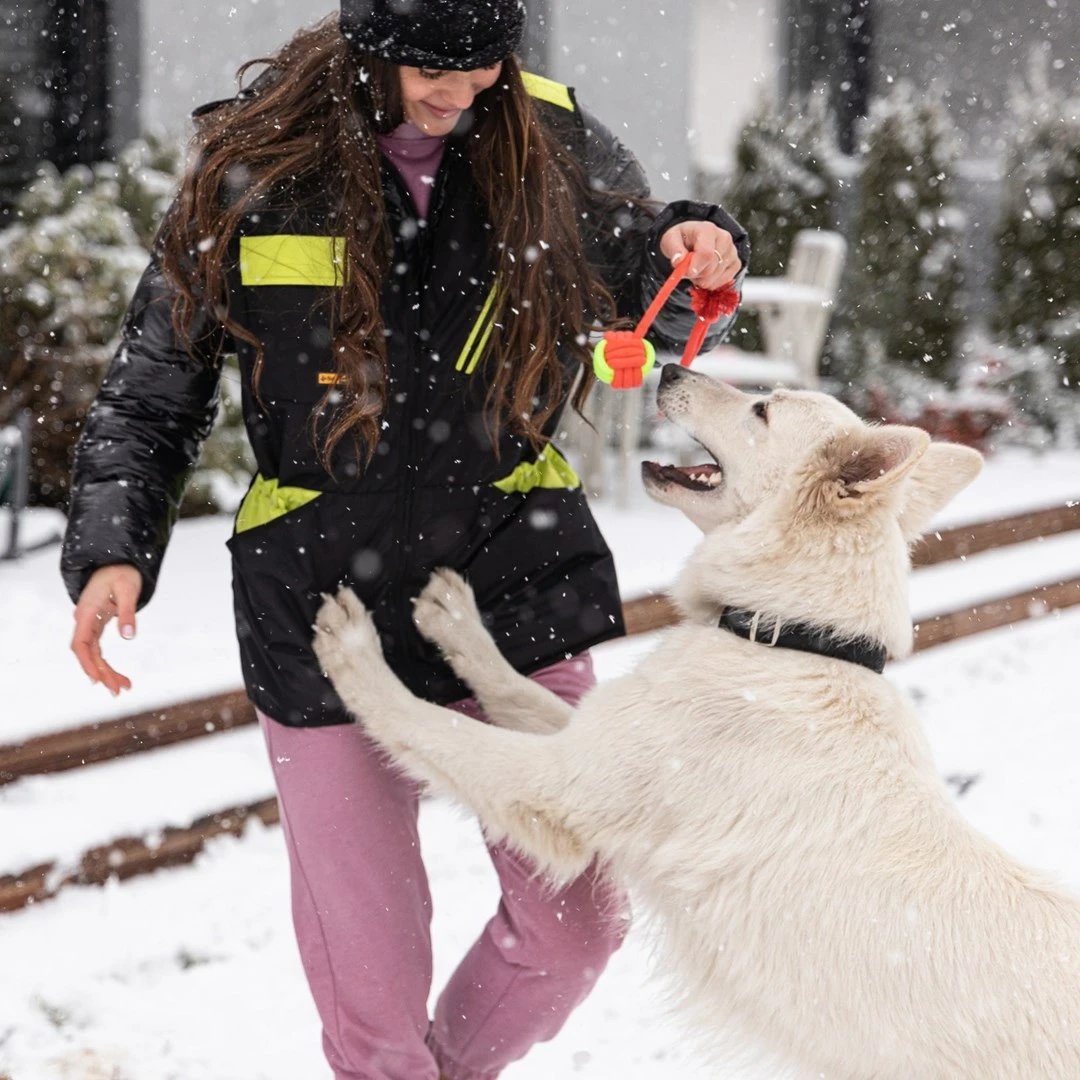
(712, 249)
(111, 592)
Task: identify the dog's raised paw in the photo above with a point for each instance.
(444, 608)
(344, 630)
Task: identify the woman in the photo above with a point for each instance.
(406, 241)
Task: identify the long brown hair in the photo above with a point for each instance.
(314, 113)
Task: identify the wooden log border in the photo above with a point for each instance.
(109, 739)
(1002, 532)
(995, 614)
(656, 612)
(128, 856)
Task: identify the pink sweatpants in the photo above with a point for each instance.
(362, 913)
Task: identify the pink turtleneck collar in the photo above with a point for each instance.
(416, 157)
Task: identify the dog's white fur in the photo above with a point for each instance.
(778, 812)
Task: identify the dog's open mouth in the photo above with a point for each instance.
(695, 477)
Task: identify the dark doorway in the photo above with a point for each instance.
(54, 86)
(831, 44)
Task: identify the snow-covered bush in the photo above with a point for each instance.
(782, 182)
(226, 463)
(68, 266)
(902, 299)
(973, 411)
(1036, 284)
(1043, 413)
(146, 173)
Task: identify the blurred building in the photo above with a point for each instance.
(68, 83)
(674, 78)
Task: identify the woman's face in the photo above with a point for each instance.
(433, 100)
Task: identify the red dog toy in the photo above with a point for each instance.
(622, 358)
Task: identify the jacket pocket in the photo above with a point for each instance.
(550, 470)
(267, 500)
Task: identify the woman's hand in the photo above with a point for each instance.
(111, 591)
(712, 249)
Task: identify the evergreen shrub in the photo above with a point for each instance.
(1036, 284)
(69, 264)
(902, 307)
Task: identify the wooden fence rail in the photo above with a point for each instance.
(105, 740)
(965, 540)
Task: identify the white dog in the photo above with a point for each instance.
(761, 789)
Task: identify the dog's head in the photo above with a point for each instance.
(807, 510)
(806, 444)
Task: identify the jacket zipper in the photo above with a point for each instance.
(410, 380)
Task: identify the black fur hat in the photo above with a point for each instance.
(451, 35)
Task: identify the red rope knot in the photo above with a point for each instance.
(627, 357)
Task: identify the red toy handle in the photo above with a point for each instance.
(708, 305)
(623, 358)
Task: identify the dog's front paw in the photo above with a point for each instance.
(345, 635)
(446, 610)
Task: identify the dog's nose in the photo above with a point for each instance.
(670, 372)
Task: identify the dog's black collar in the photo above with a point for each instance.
(746, 624)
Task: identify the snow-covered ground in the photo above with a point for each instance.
(192, 973)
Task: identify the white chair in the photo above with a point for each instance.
(794, 312)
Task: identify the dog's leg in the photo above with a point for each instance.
(516, 782)
(446, 614)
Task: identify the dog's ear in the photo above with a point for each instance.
(855, 470)
(945, 469)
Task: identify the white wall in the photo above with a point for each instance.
(192, 48)
(629, 62)
(737, 55)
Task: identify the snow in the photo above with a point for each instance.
(947, 587)
(58, 817)
(192, 973)
(181, 649)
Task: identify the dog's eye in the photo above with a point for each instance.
(761, 410)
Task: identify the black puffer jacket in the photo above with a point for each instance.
(435, 494)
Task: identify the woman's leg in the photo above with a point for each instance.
(540, 955)
(361, 907)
